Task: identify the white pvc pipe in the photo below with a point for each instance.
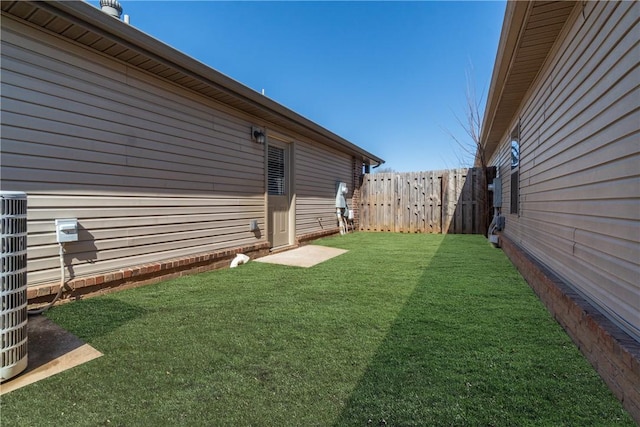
(60, 290)
(238, 260)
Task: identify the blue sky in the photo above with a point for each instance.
(388, 76)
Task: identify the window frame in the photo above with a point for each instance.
(516, 160)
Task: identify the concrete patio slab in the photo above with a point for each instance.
(305, 256)
(51, 350)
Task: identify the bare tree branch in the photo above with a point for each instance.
(471, 149)
(385, 170)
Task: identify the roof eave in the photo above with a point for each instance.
(517, 66)
(514, 17)
(87, 15)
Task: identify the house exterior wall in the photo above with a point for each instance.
(579, 191)
(151, 170)
(317, 170)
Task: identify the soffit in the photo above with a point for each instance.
(529, 32)
(85, 24)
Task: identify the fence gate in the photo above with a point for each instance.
(424, 202)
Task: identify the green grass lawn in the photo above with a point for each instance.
(415, 330)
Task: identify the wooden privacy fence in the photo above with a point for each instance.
(424, 202)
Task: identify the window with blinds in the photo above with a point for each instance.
(276, 171)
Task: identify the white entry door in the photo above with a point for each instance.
(278, 193)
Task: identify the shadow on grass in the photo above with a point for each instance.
(473, 346)
(93, 318)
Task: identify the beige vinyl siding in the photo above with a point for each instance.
(152, 171)
(317, 170)
(580, 161)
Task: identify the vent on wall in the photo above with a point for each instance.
(13, 291)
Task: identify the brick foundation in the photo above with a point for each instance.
(612, 352)
(155, 272)
(142, 275)
(306, 238)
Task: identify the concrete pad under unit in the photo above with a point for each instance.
(305, 256)
(51, 350)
